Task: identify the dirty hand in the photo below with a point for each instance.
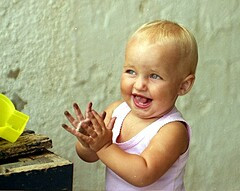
(80, 122)
(100, 136)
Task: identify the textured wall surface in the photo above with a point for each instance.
(55, 52)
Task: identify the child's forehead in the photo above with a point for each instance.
(153, 52)
(142, 43)
(148, 40)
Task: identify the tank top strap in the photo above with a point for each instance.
(120, 112)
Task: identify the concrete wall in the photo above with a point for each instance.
(55, 52)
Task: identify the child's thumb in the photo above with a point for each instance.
(111, 123)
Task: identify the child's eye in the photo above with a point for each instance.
(131, 72)
(155, 76)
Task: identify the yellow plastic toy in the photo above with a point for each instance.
(12, 122)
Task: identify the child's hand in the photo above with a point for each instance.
(100, 136)
(80, 122)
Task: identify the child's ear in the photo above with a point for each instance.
(186, 85)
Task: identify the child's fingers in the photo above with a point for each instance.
(80, 129)
(69, 129)
(111, 123)
(98, 118)
(78, 112)
(88, 109)
(70, 118)
(90, 131)
(103, 115)
(95, 122)
(84, 138)
(83, 123)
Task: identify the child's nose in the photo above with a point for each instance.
(140, 84)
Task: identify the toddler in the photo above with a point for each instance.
(143, 139)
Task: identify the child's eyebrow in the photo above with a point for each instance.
(128, 65)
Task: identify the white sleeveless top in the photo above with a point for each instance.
(172, 180)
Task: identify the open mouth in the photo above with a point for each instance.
(141, 101)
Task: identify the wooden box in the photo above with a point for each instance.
(28, 165)
(46, 171)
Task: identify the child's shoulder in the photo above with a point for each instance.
(109, 110)
(113, 106)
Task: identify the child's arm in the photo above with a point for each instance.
(139, 170)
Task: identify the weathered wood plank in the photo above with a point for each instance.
(46, 171)
(27, 143)
(33, 162)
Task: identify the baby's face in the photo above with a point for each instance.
(151, 80)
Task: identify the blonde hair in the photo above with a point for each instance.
(161, 31)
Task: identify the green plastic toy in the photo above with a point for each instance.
(12, 122)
